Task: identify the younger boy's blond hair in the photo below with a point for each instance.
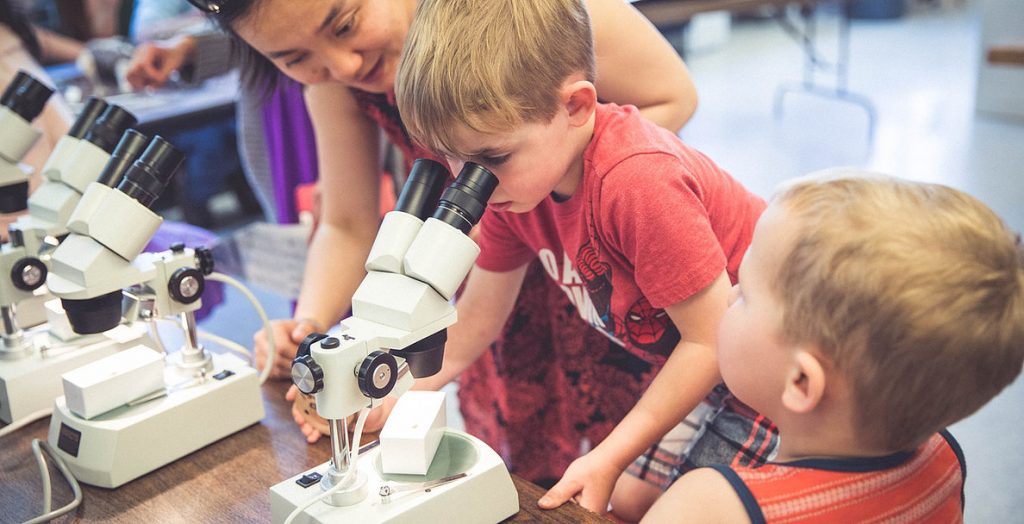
(914, 292)
(488, 65)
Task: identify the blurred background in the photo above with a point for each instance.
(924, 89)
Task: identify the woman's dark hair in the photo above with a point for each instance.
(15, 19)
(258, 73)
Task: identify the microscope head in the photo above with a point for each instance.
(20, 103)
(85, 269)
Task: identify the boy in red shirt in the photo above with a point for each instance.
(878, 311)
(644, 234)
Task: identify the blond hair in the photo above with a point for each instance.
(914, 292)
(488, 65)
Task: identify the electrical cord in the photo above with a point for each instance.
(38, 446)
(24, 421)
(353, 452)
(268, 366)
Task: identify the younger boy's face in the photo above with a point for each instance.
(751, 354)
(531, 161)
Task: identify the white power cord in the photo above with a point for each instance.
(226, 343)
(24, 421)
(38, 446)
(354, 453)
(268, 366)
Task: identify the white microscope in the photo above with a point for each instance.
(397, 331)
(32, 361)
(132, 412)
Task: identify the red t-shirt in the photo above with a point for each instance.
(652, 223)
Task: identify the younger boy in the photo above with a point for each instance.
(879, 312)
(643, 233)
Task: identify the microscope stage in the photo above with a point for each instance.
(31, 382)
(481, 489)
(128, 442)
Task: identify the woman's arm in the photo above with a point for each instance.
(636, 65)
(348, 146)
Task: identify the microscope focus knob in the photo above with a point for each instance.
(28, 274)
(186, 285)
(307, 375)
(378, 374)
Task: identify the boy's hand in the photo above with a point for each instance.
(313, 425)
(589, 481)
(305, 415)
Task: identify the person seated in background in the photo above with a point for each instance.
(879, 311)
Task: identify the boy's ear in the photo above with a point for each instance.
(580, 99)
(805, 383)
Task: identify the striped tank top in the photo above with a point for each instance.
(925, 485)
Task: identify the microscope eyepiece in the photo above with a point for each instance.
(94, 107)
(131, 146)
(422, 189)
(109, 127)
(148, 176)
(26, 96)
(464, 202)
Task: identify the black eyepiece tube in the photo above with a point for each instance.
(422, 188)
(26, 96)
(149, 175)
(464, 202)
(12, 88)
(94, 107)
(109, 127)
(128, 150)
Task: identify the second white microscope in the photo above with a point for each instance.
(397, 331)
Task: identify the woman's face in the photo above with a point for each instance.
(354, 42)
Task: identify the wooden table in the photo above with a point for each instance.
(1009, 54)
(227, 481)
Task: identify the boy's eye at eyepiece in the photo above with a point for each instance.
(464, 202)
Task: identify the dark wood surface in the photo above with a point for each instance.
(227, 481)
(666, 13)
(1010, 54)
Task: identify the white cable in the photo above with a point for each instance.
(24, 421)
(38, 446)
(227, 343)
(354, 453)
(268, 366)
(154, 330)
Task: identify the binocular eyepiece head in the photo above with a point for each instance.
(26, 96)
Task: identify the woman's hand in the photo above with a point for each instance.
(153, 62)
(287, 336)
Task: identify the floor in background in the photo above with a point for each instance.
(919, 72)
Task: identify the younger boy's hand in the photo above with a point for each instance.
(589, 481)
(305, 415)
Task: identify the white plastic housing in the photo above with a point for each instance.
(410, 437)
(58, 160)
(115, 220)
(51, 205)
(441, 256)
(113, 381)
(18, 135)
(84, 166)
(397, 301)
(396, 234)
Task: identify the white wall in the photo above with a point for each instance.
(1000, 88)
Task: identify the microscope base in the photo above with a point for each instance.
(30, 383)
(485, 494)
(128, 442)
